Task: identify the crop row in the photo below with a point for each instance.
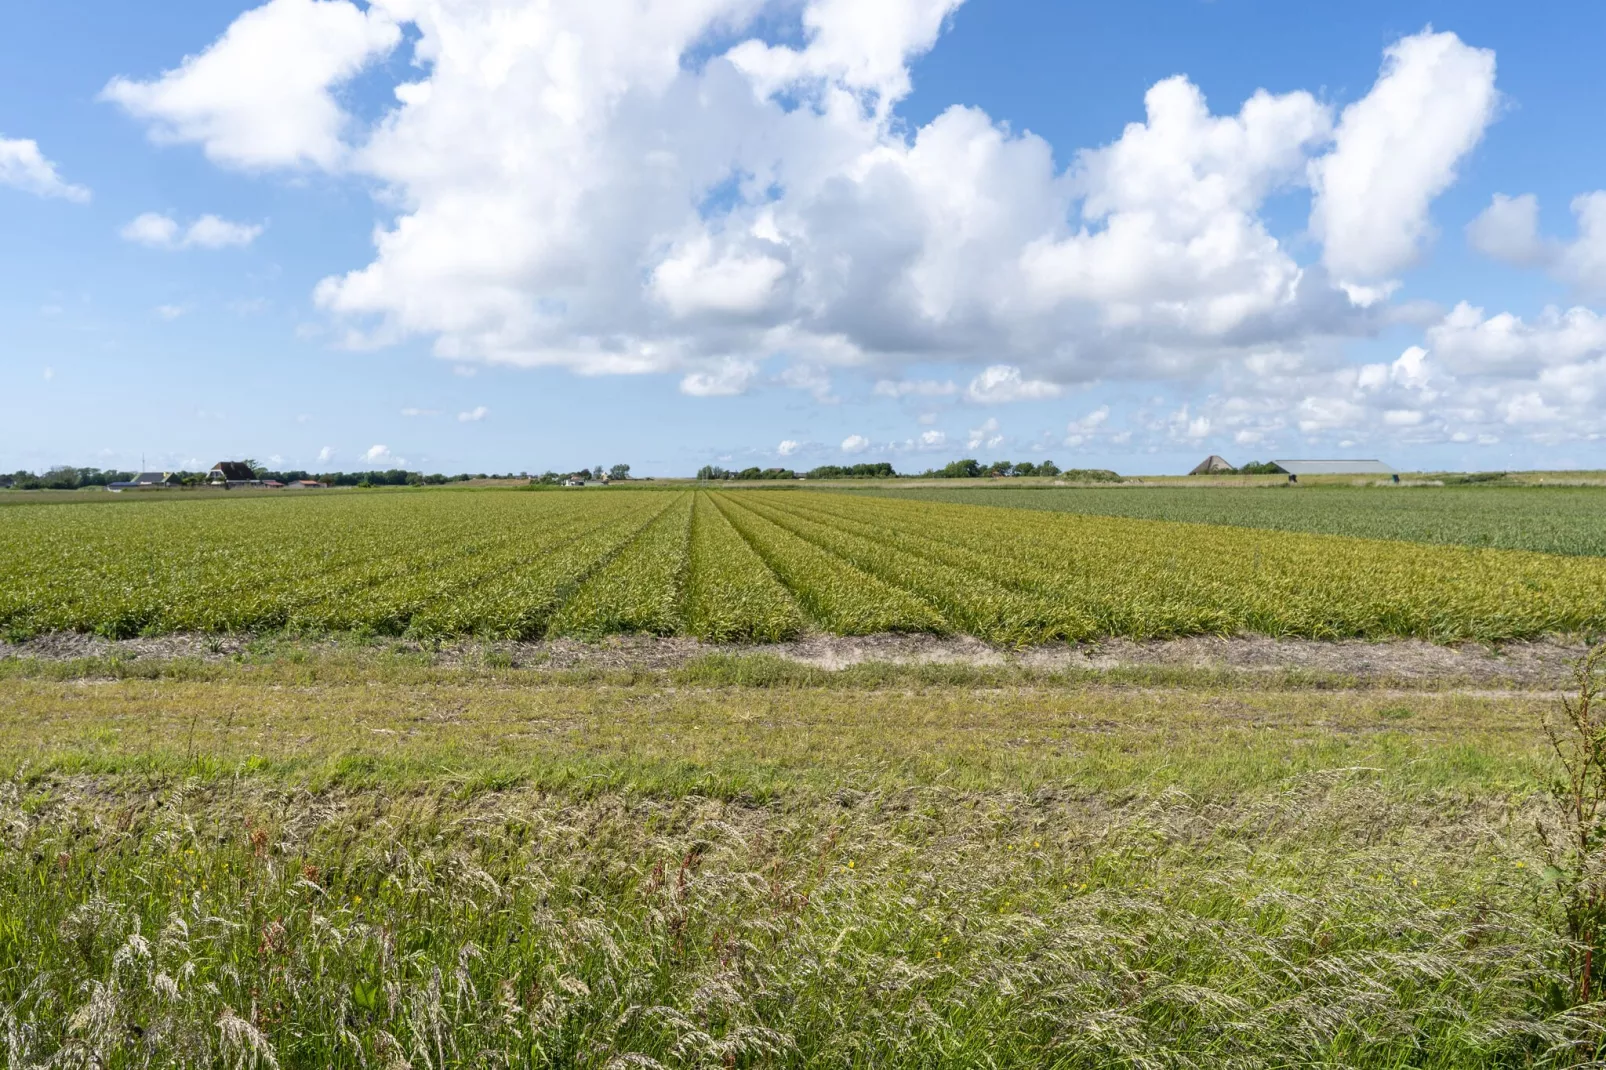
(746, 566)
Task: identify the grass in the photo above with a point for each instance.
(348, 857)
(1555, 520)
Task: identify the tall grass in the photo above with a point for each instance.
(194, 923)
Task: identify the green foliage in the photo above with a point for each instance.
(874, 470)
(1575, 832)
(1557, 520)
(510, 565)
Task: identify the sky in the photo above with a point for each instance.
(520, 235)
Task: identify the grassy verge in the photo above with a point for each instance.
(480, 867)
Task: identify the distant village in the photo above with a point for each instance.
(230, 475)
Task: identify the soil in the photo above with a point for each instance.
(1535, 664)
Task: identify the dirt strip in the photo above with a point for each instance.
(1543, 663)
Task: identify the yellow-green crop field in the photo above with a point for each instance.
(746, 566)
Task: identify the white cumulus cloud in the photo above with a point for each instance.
(263, 94)
(986, 435)
(787, 447)
(855, 444)
(711, 189)
(1397, 149)
(474, 415)
(24, 167)
(379, 454)
(208, 232)
(1002, 383)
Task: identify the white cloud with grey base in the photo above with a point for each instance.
(581, 185)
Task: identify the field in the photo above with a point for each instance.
(359, 857)
(319, 810)
(745, 567)
(1555, 520)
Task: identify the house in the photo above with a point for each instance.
(274, 483)
(1212, 465)
(574, 481)
(147, 479)
(303, 484)
(231, 473)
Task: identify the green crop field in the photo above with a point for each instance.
(746, 566)
(1553, 520)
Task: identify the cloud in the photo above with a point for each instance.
(211, 232)
(787, 447)
(859, 46)
(1077, 432)
(24, 167)
(855, 444)
(986, 435)
(726, 378)
(262, 95)
(1397, 149)
(712, 189)
(150, 229)
(919, 388)
(208, 232)
(1508, 230)
(933, 440)
(381, 455)
(411, 411)
(811, 379)
(50, 373)
(474, 415)
(326, 454)
(1171, 234)
(169, 312)
(1003, 383)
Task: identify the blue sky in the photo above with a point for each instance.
(740, 232)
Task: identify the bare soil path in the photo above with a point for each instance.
(1536, 664)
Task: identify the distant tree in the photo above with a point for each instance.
(1024, 468)
(1048, 468)
(1261, 468)
(61, 477)
(619, 471)
(969, 468)
(711, 471)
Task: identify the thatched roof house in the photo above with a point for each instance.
(1212, 465)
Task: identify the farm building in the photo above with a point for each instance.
(303, 484)
(1335, 468)
(229, 473)
(147, 479)
(1212, 465)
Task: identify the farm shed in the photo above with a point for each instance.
(228, 472)
(303, 484)
(1335, 468)
(148, 479)
(1211, 465)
